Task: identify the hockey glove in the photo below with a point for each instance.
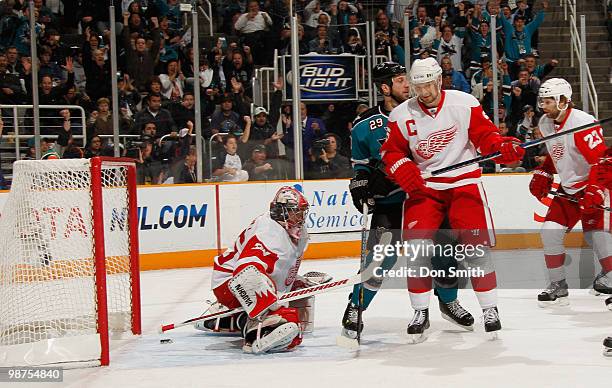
(593, 198)
(360, 192)
(601, 173)
(406, 174)
(540, 184)
(380, 184)
(510, 149)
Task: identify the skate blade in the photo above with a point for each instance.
(492, 335)
(594, 292)
(609, 306)
(607, 352)
(559, 302)
(451, 320)
(417, 338)
(347, 339)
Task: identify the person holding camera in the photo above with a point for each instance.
(327, 163)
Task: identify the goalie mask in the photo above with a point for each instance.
(289, 208)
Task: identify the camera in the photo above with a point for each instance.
(319, 145)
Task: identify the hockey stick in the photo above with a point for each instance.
(364, 247)
(525, 145)
(572, 199)
(286, 297)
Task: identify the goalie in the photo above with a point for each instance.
(262, 263)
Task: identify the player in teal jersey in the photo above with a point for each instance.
(385, 200)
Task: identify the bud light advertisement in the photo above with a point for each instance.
(323, 77)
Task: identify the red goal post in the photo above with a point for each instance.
(69, 266)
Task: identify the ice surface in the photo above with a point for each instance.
(537, 347)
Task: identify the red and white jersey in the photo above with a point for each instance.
(573, 154)
(267, 245)
(435, 139)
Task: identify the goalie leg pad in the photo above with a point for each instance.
(277, 332)
(254, 290)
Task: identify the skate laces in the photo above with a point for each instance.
(490, 315)
(419, 317)
(352, 314)
(554, 287)
(457, 309)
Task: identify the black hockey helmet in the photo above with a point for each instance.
(384, 72)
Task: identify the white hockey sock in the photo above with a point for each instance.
(487, 299)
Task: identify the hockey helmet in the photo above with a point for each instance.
(384, 72)
(424, 71)
(289, 208)
(555, 88)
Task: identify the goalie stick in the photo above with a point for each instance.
(525, 145)
(286, 297)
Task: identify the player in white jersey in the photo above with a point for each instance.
(433, 130)
(571, 157)
(262, 263)
(601, 174)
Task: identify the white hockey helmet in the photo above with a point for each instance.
(425, 70)
(555, 88)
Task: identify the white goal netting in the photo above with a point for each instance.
(47, 263)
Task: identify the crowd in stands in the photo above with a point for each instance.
(156, 77)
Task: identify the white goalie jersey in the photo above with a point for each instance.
(266, 245)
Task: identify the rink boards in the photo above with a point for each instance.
(187, 225)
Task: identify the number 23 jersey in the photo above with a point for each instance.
(573, 154)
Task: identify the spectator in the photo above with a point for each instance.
(524, 92)
(259, 167)
(527, 125)
(312, 128)
(188, 173)
(140, 61)
(14, 65)
(98, 74)
(155, 113)
(264, 129)
(239, 69)
(101, 120)
(322, 44)
(11, 90)
(94, 147)
(228, 166)
(450, 45)
(252, 27)
(225, 120)
(541, 71)
(518, 35)
(312, 12)
(172, 82)
(327, 163)
(459, 81)
(129, 98)
(303, 42)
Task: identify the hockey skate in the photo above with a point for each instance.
(418, 326)
(592, 291)
(492, 324)
(456, 314)
(348, 336)
(555, 294)
(609, 303)
(607, 347)
(603, 283)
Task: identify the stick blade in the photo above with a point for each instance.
(348, 343)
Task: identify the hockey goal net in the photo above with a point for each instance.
(69, 273)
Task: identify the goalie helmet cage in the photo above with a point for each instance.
(69, 264)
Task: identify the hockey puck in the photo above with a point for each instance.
(165, 341)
